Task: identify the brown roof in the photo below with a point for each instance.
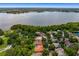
(39, 48)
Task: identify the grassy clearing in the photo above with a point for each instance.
(3, 45)
(2, 54)
(5, 42)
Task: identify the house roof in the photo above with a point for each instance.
(67, 42)
(38, 42)
(40, 33)
(39, 48)
(56, 44)
(38, 38)
(60, 51)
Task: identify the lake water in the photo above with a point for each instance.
(36, 18)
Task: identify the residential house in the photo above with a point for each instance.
(61, 40)
(77, 38)
(38, 40)
(60, 51)
(40, 33)
(39, 48)
(67, 42)
(57, 45)
(38, 45)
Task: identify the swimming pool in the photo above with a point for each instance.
(76, 33)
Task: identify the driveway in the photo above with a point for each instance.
(4, 49)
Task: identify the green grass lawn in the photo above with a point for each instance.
(3, 45)
(5, 42)
(2, 54)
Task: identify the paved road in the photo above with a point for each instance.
(4, 49)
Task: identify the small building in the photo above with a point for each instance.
(57, 45)
(60, 51)
(61, 39)
(51, 36)
(52, 33)
(54, 40)
(38, 42)
(67, 42)
(40, 33)
(77, 38)
(38, 38)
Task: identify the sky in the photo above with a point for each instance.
(41, 5)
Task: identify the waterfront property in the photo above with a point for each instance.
(38, 46)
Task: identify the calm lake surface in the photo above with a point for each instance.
(37, 19)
